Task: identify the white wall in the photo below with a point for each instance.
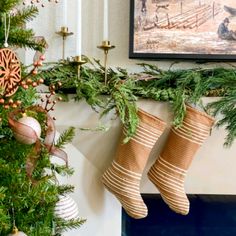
(213, 169)
(48, 22)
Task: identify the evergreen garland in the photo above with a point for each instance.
(175, 86)
(90, 86)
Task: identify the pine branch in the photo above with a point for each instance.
(24, 39)
(4, 217)
(61, 225)
(7, 5)
(19, 36)
(65, 189)
(62, 170)
(65, 138)
(23, 16)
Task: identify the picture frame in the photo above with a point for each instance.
(183, 29)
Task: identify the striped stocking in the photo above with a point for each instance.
(123, 177)
(169, 170)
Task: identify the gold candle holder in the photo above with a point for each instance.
(79, 61)
(64, 33)
(106, 46)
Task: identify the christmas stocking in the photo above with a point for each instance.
(123, 177)
(169, 170)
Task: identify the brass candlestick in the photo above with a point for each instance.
(79, 61)
(64, 33)
(106, 46)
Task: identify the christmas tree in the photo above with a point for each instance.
(31, 198)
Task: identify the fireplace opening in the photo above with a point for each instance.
(213, 215)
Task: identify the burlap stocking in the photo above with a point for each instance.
(169, 171)
(123, 177)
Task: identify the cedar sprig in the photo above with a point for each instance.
(225, 108)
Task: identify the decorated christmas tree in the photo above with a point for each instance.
(32, 202)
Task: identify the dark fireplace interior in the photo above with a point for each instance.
(213, 215)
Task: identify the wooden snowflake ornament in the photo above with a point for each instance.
(10, 72)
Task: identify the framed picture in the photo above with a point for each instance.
(183, 29)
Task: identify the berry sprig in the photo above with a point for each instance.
(33, 2)
(49, 102)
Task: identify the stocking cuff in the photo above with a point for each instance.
(150, 121)
(199, 116)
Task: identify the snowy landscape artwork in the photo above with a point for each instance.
(191, 29)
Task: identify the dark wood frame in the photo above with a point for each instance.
(170, 56)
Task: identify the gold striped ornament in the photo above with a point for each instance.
(66, 208)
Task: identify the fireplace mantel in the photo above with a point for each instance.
(212, 171)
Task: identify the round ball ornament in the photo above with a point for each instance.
(16, 232)
(66, 208)
(23, 135)
(10, 72)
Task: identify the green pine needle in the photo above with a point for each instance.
(66, 137)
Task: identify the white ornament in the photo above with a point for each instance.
(16, 232)
(66, 208)
(20, 233)
(22, 135)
